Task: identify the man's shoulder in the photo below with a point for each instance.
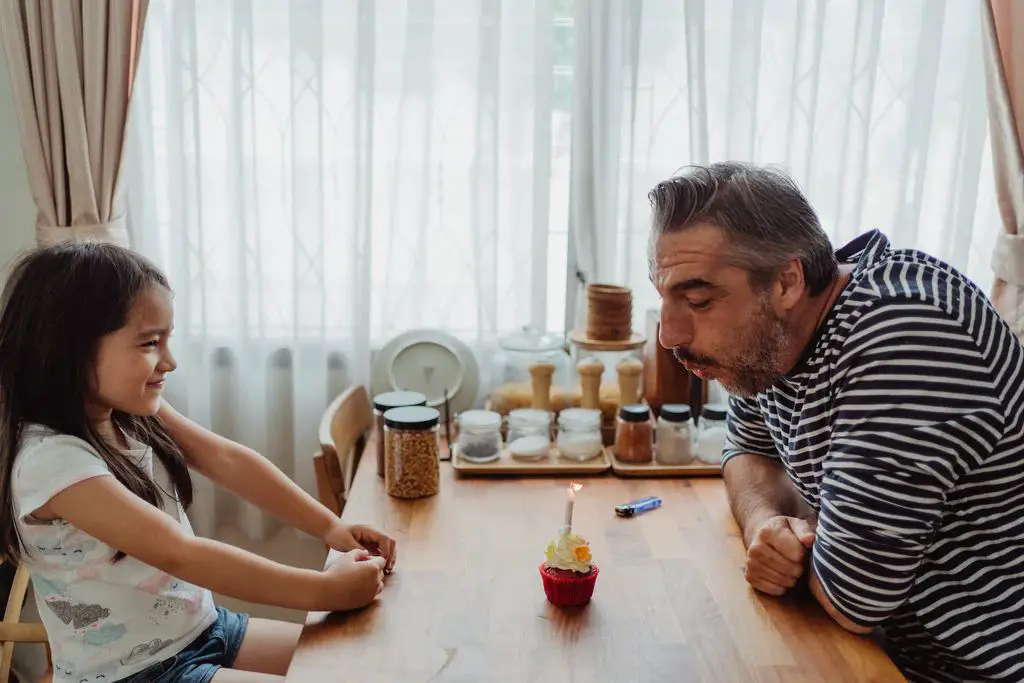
(909, 274)
(909, 287)
(913, 317)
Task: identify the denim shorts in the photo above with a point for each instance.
(217, 647)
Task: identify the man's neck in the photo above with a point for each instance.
(813, 315)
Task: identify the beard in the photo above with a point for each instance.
(754, 359)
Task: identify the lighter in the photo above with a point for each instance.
(636, 507)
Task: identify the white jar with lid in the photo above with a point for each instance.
(676, 435)
(529, 433)
(579, 433)
(711, 433)
(479, 438)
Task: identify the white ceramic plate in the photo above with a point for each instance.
(428, 361)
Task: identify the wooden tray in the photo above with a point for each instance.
(653, 469)
(555, 464)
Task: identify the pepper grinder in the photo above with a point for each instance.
(541, 373)
(629, 370)
(590, 370)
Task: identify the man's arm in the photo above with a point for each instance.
(917, 409)
(760, 489)
(777, 525)
(819, 594)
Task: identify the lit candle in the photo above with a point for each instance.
(570, 501)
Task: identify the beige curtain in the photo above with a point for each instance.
(72, 63)
(1004, 70)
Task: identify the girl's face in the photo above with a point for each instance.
(132, 362)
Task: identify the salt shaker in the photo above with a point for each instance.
(711, 433)
(676, 434)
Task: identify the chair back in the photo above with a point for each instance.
(12, 631)
(342, 435)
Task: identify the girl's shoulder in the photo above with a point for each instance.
(36, 438)
(48, 461)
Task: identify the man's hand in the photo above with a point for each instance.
(776, 554)
(345, 537)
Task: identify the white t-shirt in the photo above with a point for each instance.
(104, 621)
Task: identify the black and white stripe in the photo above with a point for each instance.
(904, 429)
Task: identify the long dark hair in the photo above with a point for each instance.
(58, 304)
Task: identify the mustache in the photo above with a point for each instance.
(685, 355)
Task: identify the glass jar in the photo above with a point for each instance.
(634, 435)
(510, 368)
(608, 392)
(479, 438)
(412, 468)
(529, 433)
(382, 403)
(711, 433)
(609, 358)
(675, 439)
(579, 433)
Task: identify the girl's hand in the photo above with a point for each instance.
(352, 581)
(345, 537)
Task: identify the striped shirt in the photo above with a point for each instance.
(903, 427)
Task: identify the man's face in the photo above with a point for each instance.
(717, 325)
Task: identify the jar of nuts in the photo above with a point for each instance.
(382, 403)
(411, 447)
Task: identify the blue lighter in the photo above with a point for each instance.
(636, 507)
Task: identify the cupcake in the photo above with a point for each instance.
(568, 573)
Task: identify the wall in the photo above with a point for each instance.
(17, 210)
(17, 233)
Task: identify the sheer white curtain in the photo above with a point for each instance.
(876, 107)
(318, 176)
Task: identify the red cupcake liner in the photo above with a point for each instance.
(568, 588)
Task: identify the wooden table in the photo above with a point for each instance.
(465, 603)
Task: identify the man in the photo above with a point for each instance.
(876, 424)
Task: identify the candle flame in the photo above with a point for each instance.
(573, 488)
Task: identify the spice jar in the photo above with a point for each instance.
(479, 439)
(382, 403)
(579, 433)
(529, 433)
(674, 442)
(412, 468)
(634, 434)
(711, 433)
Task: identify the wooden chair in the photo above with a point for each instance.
(12, 630)
(343, 436)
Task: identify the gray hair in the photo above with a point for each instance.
(762, 211)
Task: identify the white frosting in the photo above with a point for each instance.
(570, 552)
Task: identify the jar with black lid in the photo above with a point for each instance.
(412, 447)
(634, 435)
(384, 402)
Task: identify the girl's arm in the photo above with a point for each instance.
(126, 522)
(251, 476)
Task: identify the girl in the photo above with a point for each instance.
(94, 484)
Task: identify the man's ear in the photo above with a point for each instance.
(790, 284)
